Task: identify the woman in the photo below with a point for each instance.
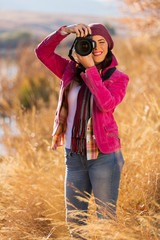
(84, 115)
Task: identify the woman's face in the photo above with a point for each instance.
(99, 53)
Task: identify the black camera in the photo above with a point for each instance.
(84, 45)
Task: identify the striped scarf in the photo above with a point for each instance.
(80, 121)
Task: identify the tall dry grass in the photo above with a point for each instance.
(32, 176)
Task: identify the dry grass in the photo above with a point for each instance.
(32, 179)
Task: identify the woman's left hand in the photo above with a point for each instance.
(86, 61)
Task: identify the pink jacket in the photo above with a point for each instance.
(107, 95)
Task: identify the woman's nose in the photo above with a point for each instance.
(96, 46)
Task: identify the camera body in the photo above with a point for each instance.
(84, 45)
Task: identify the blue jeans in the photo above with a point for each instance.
(102, 175)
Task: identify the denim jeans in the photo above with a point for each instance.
(101, 175)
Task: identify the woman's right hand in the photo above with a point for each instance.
(80, 29)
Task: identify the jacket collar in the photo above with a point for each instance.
(114, 63)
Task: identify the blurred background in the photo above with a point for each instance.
(32, 175)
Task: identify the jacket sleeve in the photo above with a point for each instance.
(45, 52)
(106, 98)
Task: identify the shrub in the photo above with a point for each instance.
(13, 39)
(32, 90)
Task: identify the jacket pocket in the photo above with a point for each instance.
(113, 135)
(111, 132)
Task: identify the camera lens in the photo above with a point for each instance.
(83, 47)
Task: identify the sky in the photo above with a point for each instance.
(86, 7)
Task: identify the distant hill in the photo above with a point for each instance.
(40, 24)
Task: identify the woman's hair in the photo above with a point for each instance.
(108, 60)
(103, 65)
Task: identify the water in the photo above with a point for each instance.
(8, 71)
(12, 130)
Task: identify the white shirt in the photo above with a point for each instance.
(72, 106)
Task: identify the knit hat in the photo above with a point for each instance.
(100, 29)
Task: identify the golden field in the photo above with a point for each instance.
(32, 175)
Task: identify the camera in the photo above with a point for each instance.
(84, 45)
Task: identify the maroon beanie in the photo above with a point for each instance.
(100, 29)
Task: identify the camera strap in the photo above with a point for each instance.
(70, 52)
(108, 73)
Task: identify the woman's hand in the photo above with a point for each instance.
(80, 29)
(86, 61)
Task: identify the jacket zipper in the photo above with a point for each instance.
(113, 135)
(89, 80)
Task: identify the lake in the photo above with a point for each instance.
(8, 70)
